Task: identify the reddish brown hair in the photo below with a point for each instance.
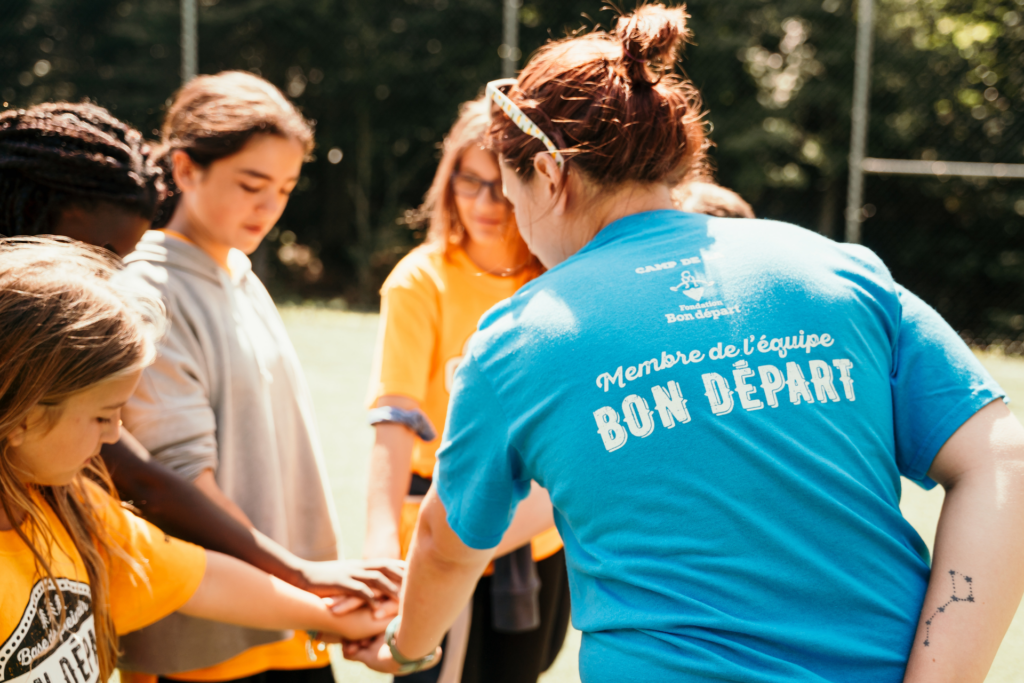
(610, 103)
(213, 117)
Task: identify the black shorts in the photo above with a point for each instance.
(493, 657)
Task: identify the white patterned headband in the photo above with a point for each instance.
(520, 119)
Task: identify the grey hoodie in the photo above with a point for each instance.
(226, 393)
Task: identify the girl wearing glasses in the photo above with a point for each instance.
(473, 258)
(721, 410)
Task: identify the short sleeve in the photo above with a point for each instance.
(937, 385)
(478, 474)
(171, 570)
(407, 335)
(170, 413)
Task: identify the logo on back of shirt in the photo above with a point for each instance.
(691, 285)
(41, 649)
(701, 303)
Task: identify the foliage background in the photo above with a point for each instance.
(383, 81)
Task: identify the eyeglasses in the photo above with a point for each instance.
(521, 120)
(470, 187)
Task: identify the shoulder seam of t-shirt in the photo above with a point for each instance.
(944, 429)
(414, 264)
(422, 288)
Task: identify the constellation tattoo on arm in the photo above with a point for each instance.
(952, 598)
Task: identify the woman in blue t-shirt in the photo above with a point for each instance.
(721, 410)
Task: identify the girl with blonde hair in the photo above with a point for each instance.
(78, 568)
(73, 169)
(473, 258)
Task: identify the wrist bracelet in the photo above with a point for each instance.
(406, 665)
(415, 420)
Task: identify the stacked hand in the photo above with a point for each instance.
(354, 583)
(375, 654)
(356, 620)
(362, 594)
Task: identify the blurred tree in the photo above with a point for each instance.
(383, 80)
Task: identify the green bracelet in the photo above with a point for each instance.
(407, 666)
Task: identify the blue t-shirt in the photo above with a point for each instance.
(721, 410)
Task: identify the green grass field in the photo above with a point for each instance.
(336, 350)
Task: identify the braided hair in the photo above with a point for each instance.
(58, 155)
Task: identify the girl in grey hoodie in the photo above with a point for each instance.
(225, 404)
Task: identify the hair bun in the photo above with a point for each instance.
(650, 38)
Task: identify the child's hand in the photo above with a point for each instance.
(364, 622)
(382, 606)
(376, 655)
(368, 579)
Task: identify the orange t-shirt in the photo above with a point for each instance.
(430, 306)
(37, 647)
(297, 652)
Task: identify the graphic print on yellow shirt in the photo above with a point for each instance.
(40, 649)
(36, 647)
(430, 306)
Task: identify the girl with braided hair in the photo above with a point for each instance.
(76, 170)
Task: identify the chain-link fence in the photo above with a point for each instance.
(383, 80)
(946, 86)
(948, 90)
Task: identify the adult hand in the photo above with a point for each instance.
(365, 579)
(376, 655)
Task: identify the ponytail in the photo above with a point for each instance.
(650, 39)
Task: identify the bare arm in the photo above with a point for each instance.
(183, 511)
(976, 582)
(389, 482)
(390, 473)
(443, 572)
(207, 483)
(227, 590)
(171, 502)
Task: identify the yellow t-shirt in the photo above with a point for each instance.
(33, 649)
(297, 652)
(430, 306)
